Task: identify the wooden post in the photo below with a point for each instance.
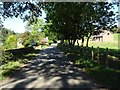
(98, 55)
(85, 53)
(92, 54)
(106, 56)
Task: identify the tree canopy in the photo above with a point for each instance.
(76, 20)
(70, 20)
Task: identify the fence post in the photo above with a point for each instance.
(92, 54)
(106, 56)
(83, 55)
(98, 55)
(85, 52)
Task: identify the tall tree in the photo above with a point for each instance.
(70, 21)
(77, 20)
(25, 10)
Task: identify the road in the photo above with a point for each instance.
(50, 69)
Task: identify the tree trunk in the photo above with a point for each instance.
(69, 42)
(88, 40)
(82, 41)
(78, 42)
(73, 43)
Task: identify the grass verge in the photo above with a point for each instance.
(20, 59)
(108, 76)
(105, 76)
(8, 68)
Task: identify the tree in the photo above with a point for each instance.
(25, 10)
(4, 33)
(69, 20)
(26, 37)
(65, 20)
(103, 18)
(11, 42)
(46, 32)
(115, 30)
(76, 20)
(35, 29)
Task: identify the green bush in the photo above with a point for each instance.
(11, 42)
(37, 43)
(6, 57)
(8, 68)
(85, 63)
(105, 76)
(50, 42)
(27, 44)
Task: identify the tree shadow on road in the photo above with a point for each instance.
(50, 70)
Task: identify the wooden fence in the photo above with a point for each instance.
(98, 55)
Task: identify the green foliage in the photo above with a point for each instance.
(116, 36)
(27, 37)
(20, 8)
(85, 63)
(8, 68)
(115, 30)
(83, 56)
(101, 73)
(47, 32)
(35, 28)
(75, 23)
(105, 76)
(6, 57)
(69, 23)
(4, 33)
(11, 42)
(22, 56)
(49, 42)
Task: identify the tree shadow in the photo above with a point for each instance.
(50, 70)
(76, 53)
(82, 56)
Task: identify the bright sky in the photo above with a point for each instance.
(17, 25)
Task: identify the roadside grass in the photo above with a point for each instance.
(19, 60)
(8, 68)
(44, 46)
(14, 59)
(104, 75)
(101, 73)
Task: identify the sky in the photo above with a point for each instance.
(18, 26)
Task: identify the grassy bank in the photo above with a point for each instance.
(106, 76)
(8, 68)
(12, 63)
(101, 73)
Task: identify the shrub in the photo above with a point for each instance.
(9, 68)
(6, 56)
(86, 63)
(11, 42)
